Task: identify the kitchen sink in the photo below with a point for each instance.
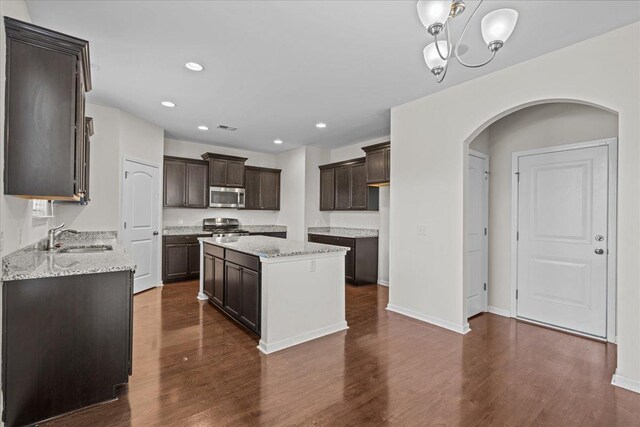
(85, 249)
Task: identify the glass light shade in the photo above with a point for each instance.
(498, 25)
(433, 11)
(431, 56)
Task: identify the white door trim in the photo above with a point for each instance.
(485, 248)
(612, 144)
(129, 158)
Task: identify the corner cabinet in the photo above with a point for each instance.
(180, 258)
(378, 163)
(186, 183)
(262, 188)
(225, 171)
(361, 262)
(343, 187)
(48, 74)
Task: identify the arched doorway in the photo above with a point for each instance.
(544, 126)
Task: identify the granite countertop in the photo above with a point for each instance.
(184, 230)
(271, 247)
(264, 228)
(343, 232)
(193, 230)
(32, 263)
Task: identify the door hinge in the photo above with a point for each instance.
(486, 175)
(485, 286)
(126, 174)
(125, 225)
(485, 231)
(516, 294)
(518, 176)
(517, 236)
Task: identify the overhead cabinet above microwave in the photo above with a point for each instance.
(225, 171)
(48, 74)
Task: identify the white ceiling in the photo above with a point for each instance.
(275, 68)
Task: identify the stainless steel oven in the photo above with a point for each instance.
(226, 197)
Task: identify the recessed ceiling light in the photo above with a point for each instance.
(194, 66)
(168, 104)
(321, 125)
(277, 141)
(203, 127)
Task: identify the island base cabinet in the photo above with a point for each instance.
(242, 295)
(361, 262)
(66, 343)
(233, 289)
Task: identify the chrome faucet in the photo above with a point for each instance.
(55, 231)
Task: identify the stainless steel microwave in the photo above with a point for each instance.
(226, 197)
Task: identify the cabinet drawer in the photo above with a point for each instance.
(314, 238)
(213, 250)
(172, 240)
(248, 261)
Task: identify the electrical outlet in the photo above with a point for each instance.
(312, 265)
(422, 230)
(180, 221)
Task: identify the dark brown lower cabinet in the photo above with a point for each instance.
(180, 258)
(361, 262)
(67, 342)
(232, 283)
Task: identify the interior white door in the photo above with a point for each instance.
(140, 215)
(477, 216)
(562, 243)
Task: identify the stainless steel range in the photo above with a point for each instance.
(223, 227)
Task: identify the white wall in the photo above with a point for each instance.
(194, 150)
(534, 127)
(292, 192)
(315, 157)
(429, 159)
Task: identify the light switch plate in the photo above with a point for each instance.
(312, 265)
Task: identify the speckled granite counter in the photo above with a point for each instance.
(184, 230)
(272, 247)
(264, 228)
(32, 263)
(343, 232)
(193, 230)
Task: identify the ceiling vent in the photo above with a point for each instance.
(229, 128)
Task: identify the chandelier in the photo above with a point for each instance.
(496, 28)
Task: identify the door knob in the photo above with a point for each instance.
(599, 238)
(599, 251)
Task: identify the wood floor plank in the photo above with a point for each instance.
(194, 367)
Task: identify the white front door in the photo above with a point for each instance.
(140, 216)
(477, 216)
(562, 239)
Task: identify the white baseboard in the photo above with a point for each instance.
(383, 282)
(299, 339)
(202, 297)
(429, 319)
(625, 382)
(499, 311)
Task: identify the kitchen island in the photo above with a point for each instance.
(287, 292)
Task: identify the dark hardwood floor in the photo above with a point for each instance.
(194, 367)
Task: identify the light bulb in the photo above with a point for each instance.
(498, 25)
(434, 14)
(431, 56)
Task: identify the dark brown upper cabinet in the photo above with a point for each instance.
(85, 170)
(262, 188)
(225, 171)
(378, 163)
(47, 75)
(327, 189)
(186, 183)
(343, 187)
